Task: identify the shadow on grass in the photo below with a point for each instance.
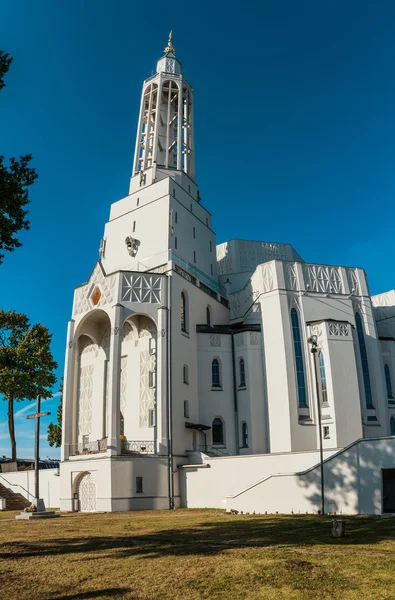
(210, 538)
(110, 592)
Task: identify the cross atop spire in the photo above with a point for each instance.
(170, 48)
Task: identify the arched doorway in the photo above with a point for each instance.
(87, 495)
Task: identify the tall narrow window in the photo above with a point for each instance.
(176, 217)
(324, 391)
(175, 242)
(191, 208)
(211, 269)
(211, 246)
(194, 256)
(121, 424)
(364, 361)
(174, 192)
(139, 485)
(242, 373)
(134, 226)
(215, 373)
(300, 376)
(151, 418)
(208, 315)
(185, 375)
(138, 201)
(194, 232)
(184, 315)
(392, 426)
(186, 409)
(244, 435)
(388, 382)
(217, 429)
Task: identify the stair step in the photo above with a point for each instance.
(13, 500)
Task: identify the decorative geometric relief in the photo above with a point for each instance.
(290, 277)
(353, 282)
(267, 278)
(99, 291)
(87, 493)
(215, 340)
(124, 383)
(224, 259)
(141, 288)
(85, 400)
(147, 393)
(96, 295)
(129, 332)
(316, 330)
(239, 339)
(323, 279)
(234, 305)
(254, 338)
(338, 329)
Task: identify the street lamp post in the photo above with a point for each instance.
(313, 341)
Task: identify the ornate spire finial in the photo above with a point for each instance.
(170, 48)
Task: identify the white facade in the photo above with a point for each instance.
(179, 349)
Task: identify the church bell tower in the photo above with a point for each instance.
(165, 129)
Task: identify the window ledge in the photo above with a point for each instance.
(186, 382)
(184, 333)
(216, 389)
(370, 407)
(242, 387)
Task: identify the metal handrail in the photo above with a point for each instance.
(17, 485)
(93, 447)
(139, 447)
(184, 264)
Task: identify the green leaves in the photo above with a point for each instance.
(55, 430)
(14, 182)
(26, 362)
(5, 63)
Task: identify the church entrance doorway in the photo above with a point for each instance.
(388, 490)
(87, 493)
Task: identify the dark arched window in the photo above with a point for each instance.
(242, 372)
(184, 312)
(324, 391)
(388, 382)
(364, 361)
(244, 435)
(208, 315)
(392, 426)
(300, 376)
(217, 429)
(215, 373)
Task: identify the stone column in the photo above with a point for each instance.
(68, 393)
(162, 374)
(113, 442)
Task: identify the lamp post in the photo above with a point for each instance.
(313, 341)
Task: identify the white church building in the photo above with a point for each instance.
(189, 379)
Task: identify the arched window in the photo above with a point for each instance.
(324, 391)
(185, 374)
(392, 426)
(364, 361)
(388, 382)
(300, 376)
(242, 372)
(184, 312)
(244, 435)
(215, 373)
(217, 429)
(208, 315)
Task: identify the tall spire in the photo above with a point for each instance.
(170, 48)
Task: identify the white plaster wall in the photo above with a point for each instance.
(353, 484)
(22, 482)
(208, 487)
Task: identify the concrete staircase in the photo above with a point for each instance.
(13, 500)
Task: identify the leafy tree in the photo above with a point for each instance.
(26, 363)
(5, 63)
(55, 430)
(14, 182)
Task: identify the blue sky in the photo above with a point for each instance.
(294, 115)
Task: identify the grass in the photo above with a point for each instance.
(195, 554)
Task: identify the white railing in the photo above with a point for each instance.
(93, 447)
(138, 447)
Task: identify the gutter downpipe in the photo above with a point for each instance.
(170, 474)
(235, 395)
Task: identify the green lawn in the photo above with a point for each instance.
(193, 554)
